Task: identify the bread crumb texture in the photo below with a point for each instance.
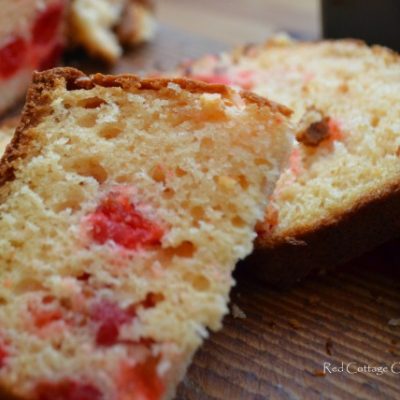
(121, 227)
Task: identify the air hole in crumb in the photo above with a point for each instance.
(168, 193)
(123, 179)
(110, 131)
(243, 182)
(27, 285)
(238, 222)
(199, 281)
(375, 121)
(261, 161)
(72, 201)
(3, 301)
(186, 249)
(89, 167)
(206, 143)
(158, 174)
(87, 121)
(197, 213)
(91, 102)
(180, 172)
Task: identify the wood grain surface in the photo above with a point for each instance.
(276, 346)
(279, 349)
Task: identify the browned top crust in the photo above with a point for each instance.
(78, 80)
(38, 100)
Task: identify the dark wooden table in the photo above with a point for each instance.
(276, 346)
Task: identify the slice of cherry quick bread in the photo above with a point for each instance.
(125, 205)
(340, 195)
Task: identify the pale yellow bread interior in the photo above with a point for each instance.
(352, 91)
(197, 163)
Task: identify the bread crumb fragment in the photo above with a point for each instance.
(394, 322)
(237, 312)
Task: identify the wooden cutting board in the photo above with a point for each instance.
(275, 344)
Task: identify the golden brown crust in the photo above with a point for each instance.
(373, 221)
(38, 99)
(194, 86)
(36, 107)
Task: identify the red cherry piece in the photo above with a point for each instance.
(47, 23)
(142, 380)
(3, 356)
(12, 56)
(107, 334)
(111, 317)
(67, 390)
(118, 220)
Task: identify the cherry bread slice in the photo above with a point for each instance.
(125, 205)
(31, 38)
(340, 195)
(33, 34)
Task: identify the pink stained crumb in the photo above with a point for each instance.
(213, 78)
(308, 76)
(111, 317)
(243, 79)
(142, 380)
(117, 219)
(271, 218)
(295, 163)
(335, 129)
(67, 390)
(43, 314)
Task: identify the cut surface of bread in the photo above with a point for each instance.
(124, 206)
(101, 26)
(346, 165)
